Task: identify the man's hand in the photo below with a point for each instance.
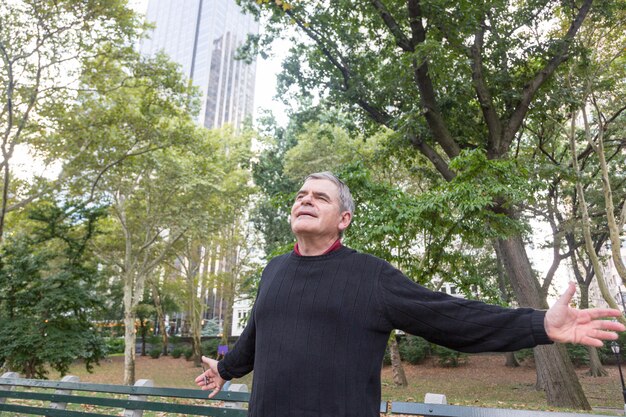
(210, 379)
(565, 324)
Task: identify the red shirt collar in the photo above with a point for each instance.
(332, 247)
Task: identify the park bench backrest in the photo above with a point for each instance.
(39, 390)
(441, 410)
(36, 391)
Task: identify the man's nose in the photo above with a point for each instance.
(306, 199)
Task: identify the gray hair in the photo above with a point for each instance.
(346, 203)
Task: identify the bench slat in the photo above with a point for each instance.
(125, 389)
(51, 412)
(440, 410)
(129, 404)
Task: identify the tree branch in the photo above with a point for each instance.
(484, 96)
(401, 39)
(427, 92)
(529, 91)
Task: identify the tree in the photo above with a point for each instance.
(136, 140)
(212, 255)
(573, 177)
(447, 78)
(43, 46)
(47, 297)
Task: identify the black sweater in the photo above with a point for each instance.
(319, 327)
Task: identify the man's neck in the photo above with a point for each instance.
(315, 247)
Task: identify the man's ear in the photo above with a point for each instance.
(346, 218)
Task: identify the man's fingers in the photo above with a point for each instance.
(214, 392)
(597, 313)
(590, 341)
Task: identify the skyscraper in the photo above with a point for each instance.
(203, 37)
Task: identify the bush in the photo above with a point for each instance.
(188, 353)
(209, 348)
(155, 351)
(114, 345)
(177, 352)
(578, 354)
(414, 349)
(449, 358)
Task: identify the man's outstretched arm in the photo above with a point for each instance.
(566, 324)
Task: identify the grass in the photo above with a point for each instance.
(483, 382)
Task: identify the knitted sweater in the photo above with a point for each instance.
(319, 327)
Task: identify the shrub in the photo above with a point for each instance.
(209, 348)
(114, 345)
(188, 353)
(155, 351)
(579, 355)
(177, 352)
(414, 349)
(449, 358)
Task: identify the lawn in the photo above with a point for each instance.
(483, 381)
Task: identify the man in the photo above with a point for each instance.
(319, 326)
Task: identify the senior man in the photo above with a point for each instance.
(324, 312)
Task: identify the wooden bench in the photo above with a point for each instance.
(51, 398)
(36, 397)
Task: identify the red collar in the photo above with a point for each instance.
(333, 247)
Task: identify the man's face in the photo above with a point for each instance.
(316, 211)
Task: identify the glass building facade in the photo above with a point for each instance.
(203, 37)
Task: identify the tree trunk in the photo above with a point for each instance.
(230, 266)
(129, 347)
(194, 314)
(595, 365)
(555, 371)
(156, 296)
(511, 360)
(399, 378)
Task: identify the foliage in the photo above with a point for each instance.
(188, 353)
(270, 212)
(449, 358)
(44, 49)
(578, 354)
(177, 352)
(209, 347)
(211, 328)
(155, 350)
(47, 297)
(414, 349)
(114, 345)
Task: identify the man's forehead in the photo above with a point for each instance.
(320, 185)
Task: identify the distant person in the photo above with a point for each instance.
(324, 312)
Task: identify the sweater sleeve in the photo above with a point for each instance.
(240, 361)
(457, 323)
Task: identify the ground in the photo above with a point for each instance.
(484, 381)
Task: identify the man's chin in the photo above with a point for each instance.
(302, 228)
